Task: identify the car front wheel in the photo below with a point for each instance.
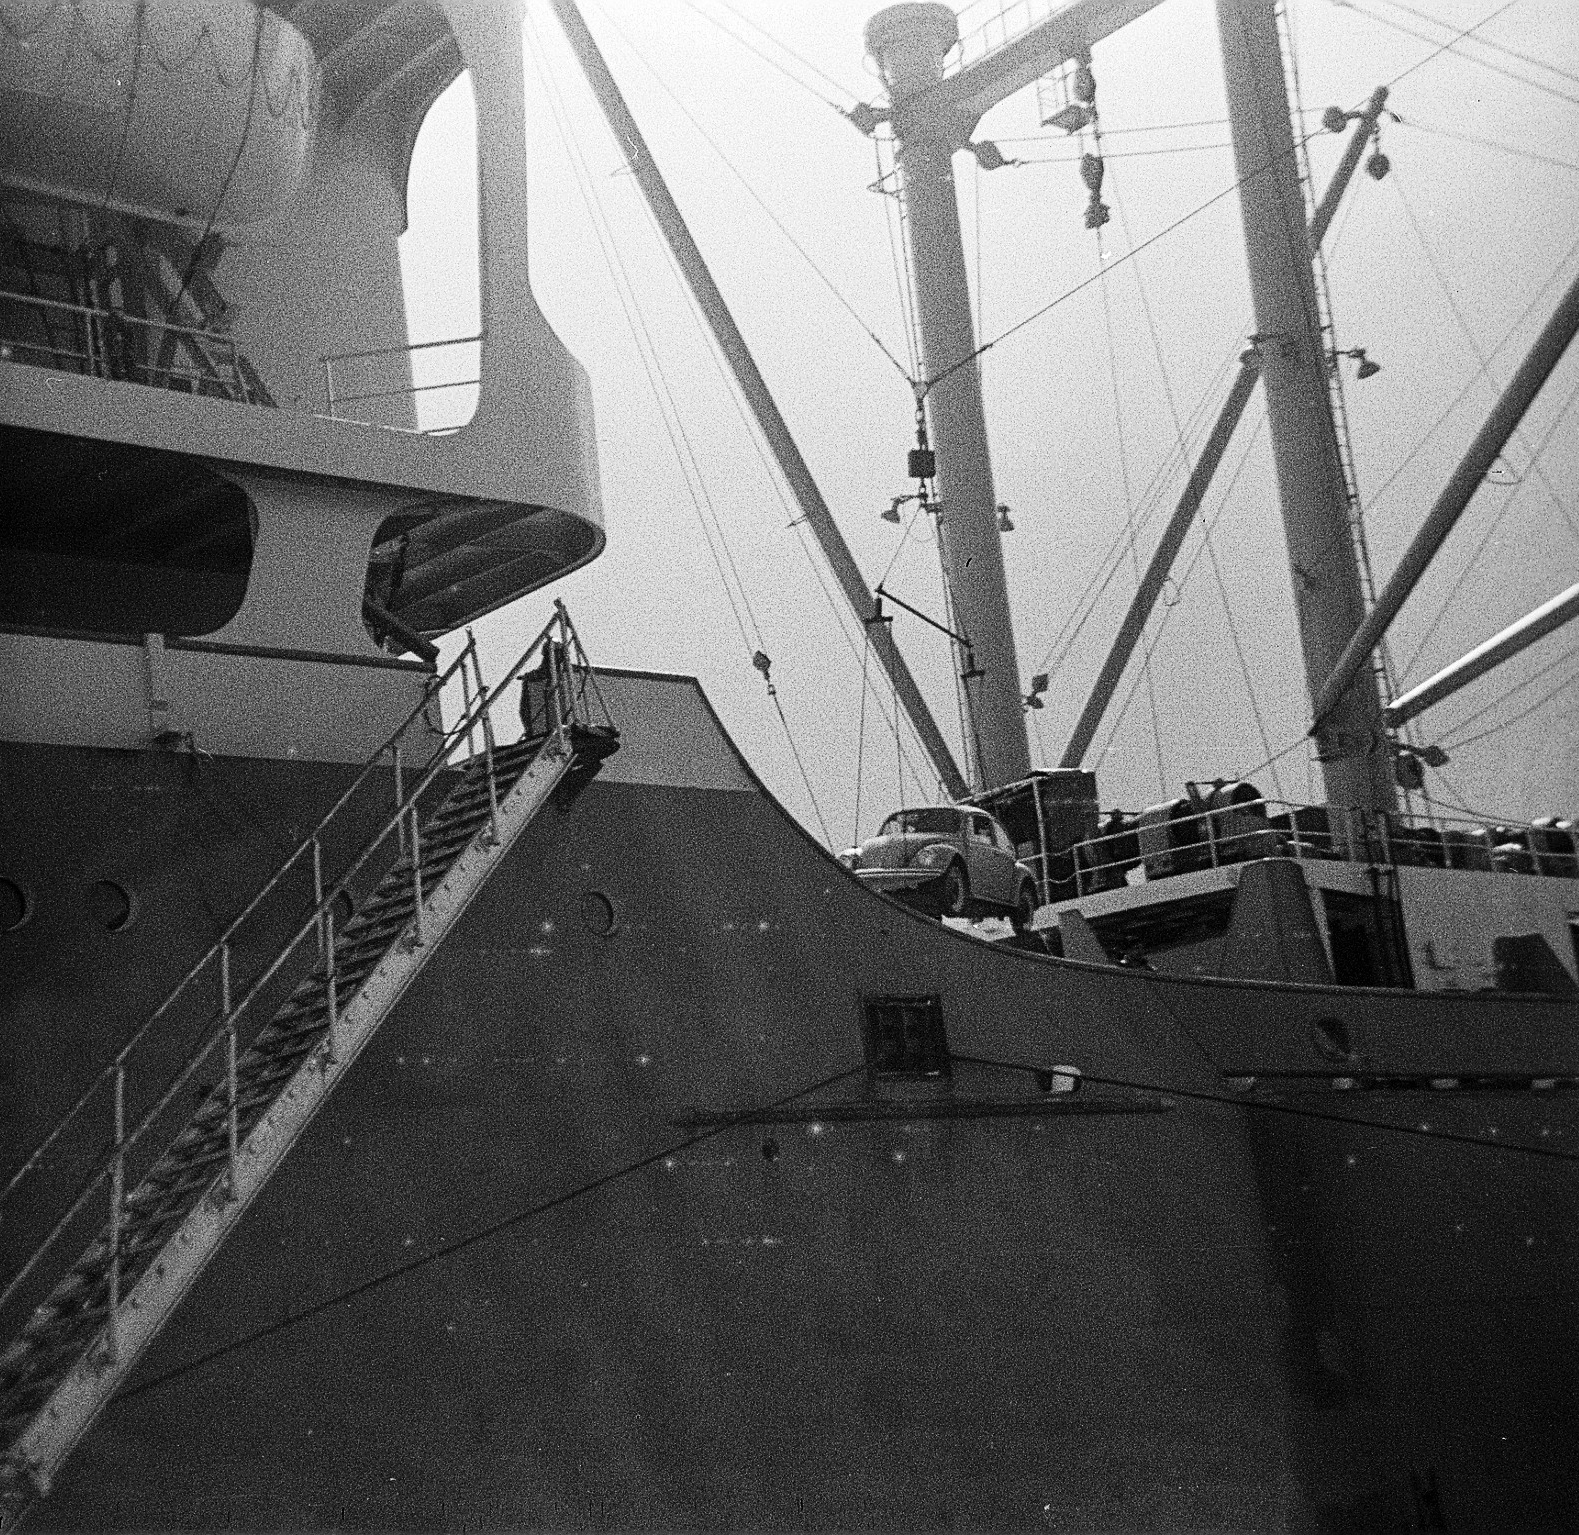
(1024, 909)
(955, 895)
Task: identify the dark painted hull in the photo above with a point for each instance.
(496, 1284)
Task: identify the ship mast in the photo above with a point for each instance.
(909, 43)
(931, 118)
(1351, 741)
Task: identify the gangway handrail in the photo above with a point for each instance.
(478, 710)
(433, 686)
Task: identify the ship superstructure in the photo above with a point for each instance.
(201, 213)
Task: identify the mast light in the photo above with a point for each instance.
(1367, 367)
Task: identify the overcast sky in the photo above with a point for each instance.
(1455, 258)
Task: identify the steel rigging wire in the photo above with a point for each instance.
(772, 63)
(1491, 43)
(1534, 156)
(1455, 742)
(751, 429)
(1508, 504)
(752, 432)
(1452, 46)
(685, 456)
(1129, 499)
(1231, 623)
(1435, 264)
(1207, 526)
(1295, 239)
(1378, 496)
(1441, 48)
(1112, 558)
(1194, 213)
(1206, 531)
(756, 197)
(679, 440)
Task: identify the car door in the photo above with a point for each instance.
(1007, 848)
(991, 872)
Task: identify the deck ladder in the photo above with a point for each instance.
(173, 1146)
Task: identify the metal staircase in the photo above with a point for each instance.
(173, 1198)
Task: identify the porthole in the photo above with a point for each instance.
(598, 914)
(1330, 1038)
(110, 905)
(15, 906)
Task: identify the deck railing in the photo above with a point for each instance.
(1167, 844)
(352, 379)
(108, 343)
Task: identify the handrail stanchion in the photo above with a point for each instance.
(400, 800)
(1211, 837)
(416, 877)
(467, 693)
(230, 1063)
(493, 779)
(117, 1195)
(332, 988)
(318, 891)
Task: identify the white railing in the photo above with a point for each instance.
(107, 343)
(1216, 835)
(354, 378)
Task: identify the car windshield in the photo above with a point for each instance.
(934, 822)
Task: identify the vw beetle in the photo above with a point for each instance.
(952, 860)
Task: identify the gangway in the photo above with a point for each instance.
(460, 800)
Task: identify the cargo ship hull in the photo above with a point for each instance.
(615, 1224)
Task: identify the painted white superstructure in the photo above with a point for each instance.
(201, 266)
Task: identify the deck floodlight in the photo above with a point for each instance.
(988, 156)
(1367, 367)
(892, 514)
(1378, 165)
(1033, 699)
(1334, 119)
(1005, 521)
